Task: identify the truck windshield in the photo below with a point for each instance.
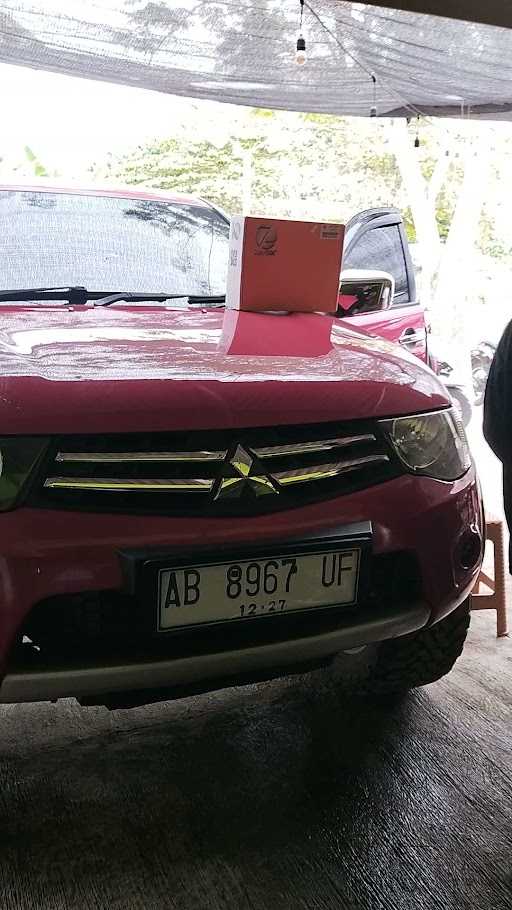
(137, 245)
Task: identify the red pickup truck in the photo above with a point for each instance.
(191, 497)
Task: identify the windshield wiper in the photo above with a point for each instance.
(193, 299)
(212, 300)
(75, 295)
(80, 296)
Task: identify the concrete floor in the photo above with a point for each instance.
(281, 795)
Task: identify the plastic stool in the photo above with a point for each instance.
(496, 599)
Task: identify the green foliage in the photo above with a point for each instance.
(188, 167)
(427, 166)
(489, 243)
(38, 167)
(302, 165)
(410, 228)
(445, 208)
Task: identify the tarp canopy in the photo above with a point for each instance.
(494, 12)
(243, 51)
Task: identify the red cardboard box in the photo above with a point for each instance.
(259, 335)
(284, 265)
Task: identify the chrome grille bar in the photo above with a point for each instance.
(323, 472)
(232, 478)
(134, 457)
(304, 448)
(119, 485)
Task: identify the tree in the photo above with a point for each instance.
(277, 163)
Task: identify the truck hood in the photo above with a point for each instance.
(121, 369)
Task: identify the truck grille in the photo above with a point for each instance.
(213, 472)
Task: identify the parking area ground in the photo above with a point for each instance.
(284, 795)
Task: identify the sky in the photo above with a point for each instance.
(70, 122)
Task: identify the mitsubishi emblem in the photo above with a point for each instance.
(241, 472)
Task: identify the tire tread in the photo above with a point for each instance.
(421, 658)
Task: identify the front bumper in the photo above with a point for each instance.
(47, 554)
(197, 672)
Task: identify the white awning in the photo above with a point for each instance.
(243, 52)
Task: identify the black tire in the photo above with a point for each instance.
(421, 658)
(462, 404)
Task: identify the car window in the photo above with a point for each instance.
(381, 248)
(111, 243)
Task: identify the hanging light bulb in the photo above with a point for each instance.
(300, 52)
(373, 109)
(417, 140)
(300, 55)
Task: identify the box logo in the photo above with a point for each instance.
(329, 232)
(266, 240)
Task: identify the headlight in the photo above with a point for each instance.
(18, 457)
(431, 444)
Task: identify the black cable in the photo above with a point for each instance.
(411, 107)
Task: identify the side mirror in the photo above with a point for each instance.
(364, 291)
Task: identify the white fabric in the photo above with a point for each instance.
(243, 51)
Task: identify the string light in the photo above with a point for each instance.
(300, 53)
(343, 45)
(300, 56)
(373, 109)
(417, 140)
